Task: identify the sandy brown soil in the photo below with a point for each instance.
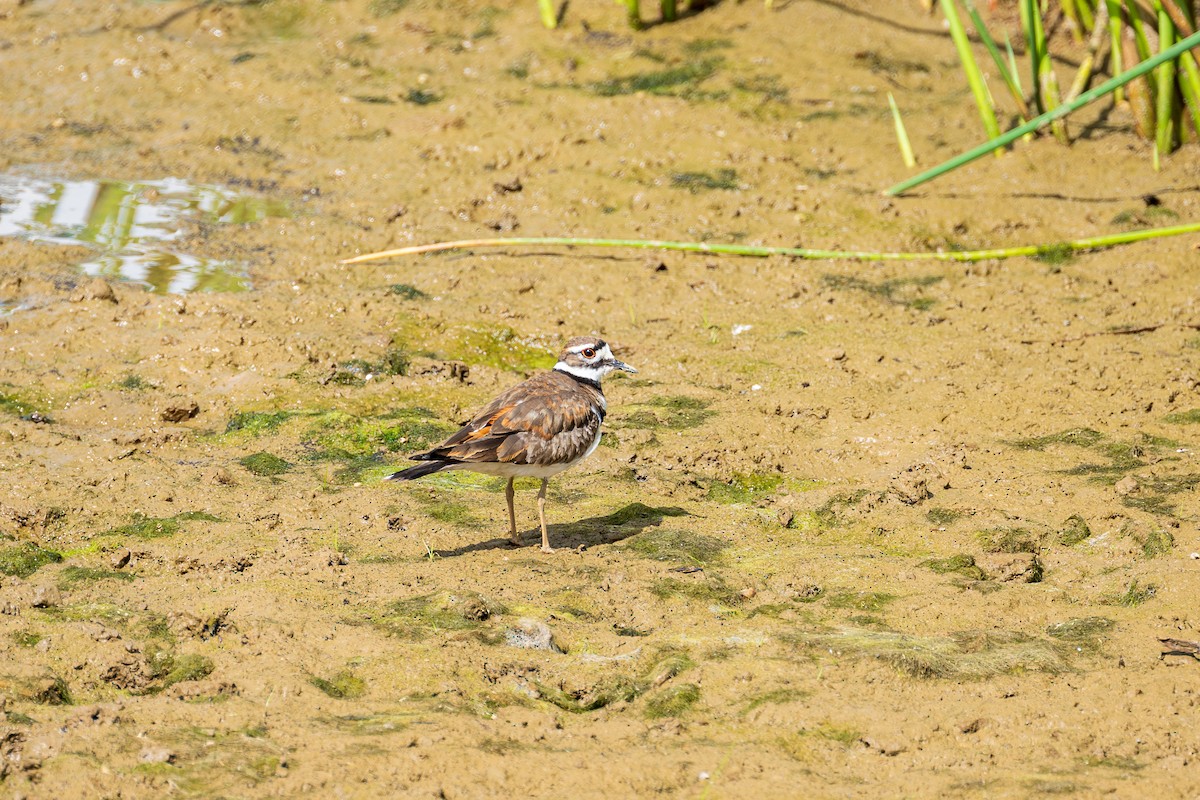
(942, 514)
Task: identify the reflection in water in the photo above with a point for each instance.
(129, 224)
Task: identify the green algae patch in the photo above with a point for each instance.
(22, 560)
(417, 618)
(676, 545)
(357, 371)
(743, 488)
(965, 654)
(621, 686)
(860, 601)
(961, 564)
(1133, 595)
(407, 292)
(500, 348)
(1084, 633)
(710, 588)
(15, 404)
(192, 667)
(257, 423)
(774, 697)
(345, 685)
(143, 527)
(679, 81)
(1189, 417)
(1009, 540)
(672, 702)
(676, 412)
(1073, 531)
(73, 576)
(1121, 456)
(696, 182)
(360, 445)
(265, 464)
(26, 638)
(943, 516)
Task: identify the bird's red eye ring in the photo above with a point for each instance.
(589, 353)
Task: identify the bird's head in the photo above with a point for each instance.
(589, 357)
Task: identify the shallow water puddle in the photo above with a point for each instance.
(132, 226)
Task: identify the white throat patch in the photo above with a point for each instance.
(587, 373)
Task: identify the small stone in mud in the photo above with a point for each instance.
(531, 634)
(120, 559)
(179, 410)
(157, 754)
(46, 597)
(95, 289)
(1127, 485)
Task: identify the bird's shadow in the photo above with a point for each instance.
(608, 529)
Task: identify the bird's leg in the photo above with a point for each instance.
(542, 516)
(512, 515)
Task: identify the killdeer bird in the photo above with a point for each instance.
(536, 429)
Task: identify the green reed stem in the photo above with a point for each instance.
(1114, 34)
(1037, 122)
(1057, 248)
(1165, 131)
(1029, 10)
(1189, 83)
(549, 13)
(1009, 77)
(983, 100)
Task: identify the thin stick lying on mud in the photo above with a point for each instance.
(1055, 249)
(1128, 331)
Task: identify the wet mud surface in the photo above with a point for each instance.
(853, 531)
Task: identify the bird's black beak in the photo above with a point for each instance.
(621, 365)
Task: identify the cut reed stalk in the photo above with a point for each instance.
(548, 13)
(962, 44)
(1057, 248)
(906, 151)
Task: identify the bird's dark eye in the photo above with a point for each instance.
(589, 353)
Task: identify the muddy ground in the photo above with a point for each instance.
(855, 530)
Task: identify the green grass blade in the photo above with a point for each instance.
(906, 151)
(1012, 67)
(1009, 77)
(974, 77)
(1084, 99)
(1077, 245)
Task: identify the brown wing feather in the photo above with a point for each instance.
(517, 425)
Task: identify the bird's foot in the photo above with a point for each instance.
(514, 540)
(547, 549)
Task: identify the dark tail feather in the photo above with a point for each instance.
(419, 471)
